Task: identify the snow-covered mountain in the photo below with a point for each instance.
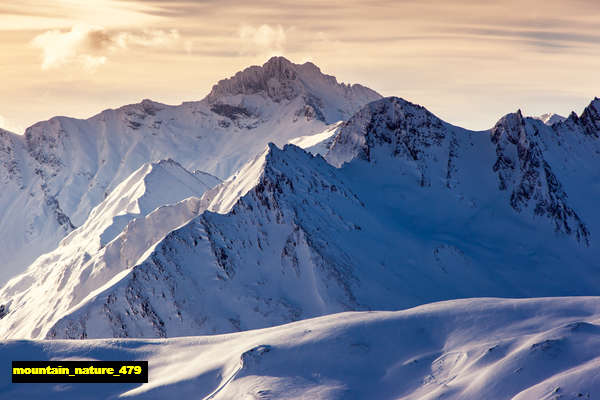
(406, 210)
(51, 178)
(475, 349)
(550, 118)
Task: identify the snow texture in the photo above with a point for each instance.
(474, 349)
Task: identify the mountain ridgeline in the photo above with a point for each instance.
(54, 175)
(403, 209)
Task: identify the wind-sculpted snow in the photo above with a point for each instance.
(51, 178)
(472, 349)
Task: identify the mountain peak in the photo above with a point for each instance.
(313, 94)
(512, 125)
(550, 118)
(273, 79)
(590, 118)
(149, 187)
(382, 123)
(594, 106)
(278, 62)
(221, 199)
(513, 117)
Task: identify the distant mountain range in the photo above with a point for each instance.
(403, 210)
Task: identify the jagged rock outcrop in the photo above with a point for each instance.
(433, 150)
(314, 94)
(523, 171)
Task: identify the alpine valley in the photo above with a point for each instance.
(292, 217)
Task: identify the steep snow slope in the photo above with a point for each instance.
(151, 186)
(319, 143)
(31, 220)
(154, 200)
(464, 349)
(62, 168)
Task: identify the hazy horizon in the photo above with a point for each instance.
(467, 62)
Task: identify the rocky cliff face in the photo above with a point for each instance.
(523, 171)
(525, 150)
(313, 94)
(589, 120)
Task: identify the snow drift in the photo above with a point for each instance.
(464, 349)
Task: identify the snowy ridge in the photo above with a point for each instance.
(151, 186)
(473, 349)
(208, 179)
(154, 200)
(260, 228)
(370, 235)
(319, 143)
(590, 118)
(62, 168)
(224, 196)
(391, 124)
(419, 214)
(389, 208)
(526, 154)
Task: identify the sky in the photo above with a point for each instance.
(467, 61)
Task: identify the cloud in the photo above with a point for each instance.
(146, 38)
(264, 39)
(89, 46)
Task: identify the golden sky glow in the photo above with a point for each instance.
(467, 61)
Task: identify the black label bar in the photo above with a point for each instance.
(80, 371)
